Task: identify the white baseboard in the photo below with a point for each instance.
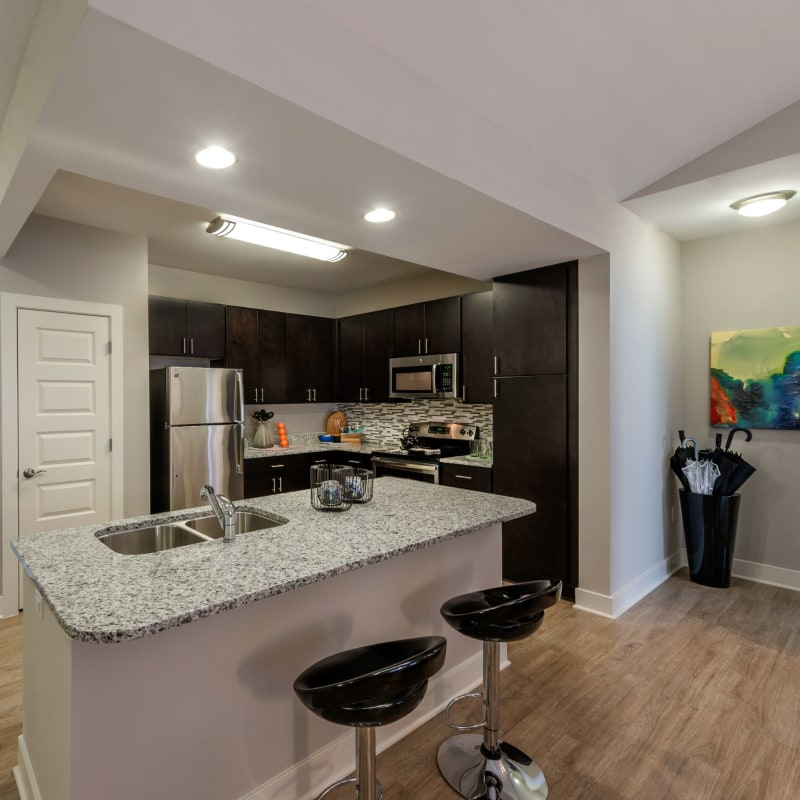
(307, 779)
(23, 774)
(759, 573)
(613, 606)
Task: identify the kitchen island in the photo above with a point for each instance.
(169, 675)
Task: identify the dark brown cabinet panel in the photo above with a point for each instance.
(432, 327)
(479, 479)
(256, 344)
(275, 475)
(477, 348)
(186, 328)
(309, 349)
(364, 347)
(530, 321)
(531, 461)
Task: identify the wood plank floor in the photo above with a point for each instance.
(694, 693)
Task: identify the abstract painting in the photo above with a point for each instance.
(755, 378)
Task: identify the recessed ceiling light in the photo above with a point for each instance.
(759, 205)
(215, 157)
(380, 215)
(246, 230)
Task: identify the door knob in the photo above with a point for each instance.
(29, 472)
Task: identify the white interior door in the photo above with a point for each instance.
(64, 420)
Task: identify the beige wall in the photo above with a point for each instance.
(736, 282)
(51, 258)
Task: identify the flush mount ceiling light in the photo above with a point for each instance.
(380, 215)
(215, 157)
(759, 205)
(246, 230)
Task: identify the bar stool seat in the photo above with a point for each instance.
(482, 767)
(370, 686)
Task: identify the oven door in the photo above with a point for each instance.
(399, 468)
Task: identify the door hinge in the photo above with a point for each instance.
(109, 348)
(110, 444)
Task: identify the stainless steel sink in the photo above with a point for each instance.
(151, 539)
(246, 521)
(154, 538)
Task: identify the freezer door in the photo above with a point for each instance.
(205, 454)
(201, 396)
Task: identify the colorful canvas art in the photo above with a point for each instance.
(755, 378)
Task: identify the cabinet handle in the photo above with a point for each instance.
(277, 466)
(191, 346)
(184, 345)
(419, 347)
(352, 461)
(366, 394)
(319, 461)
(463, 477)
(360, 394)
(255, 399)
(496, 365)
(496, 388)
(426, 345)
(315, 394)
(262, 394)
(273, 486)
(280, 484)
(308, 395)
(463, 392)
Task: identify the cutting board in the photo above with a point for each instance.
(337, 422)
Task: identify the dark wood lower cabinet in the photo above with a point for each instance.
(275, 475)
(479, 479)
(531, 460)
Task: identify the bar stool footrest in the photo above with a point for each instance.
(481, 724)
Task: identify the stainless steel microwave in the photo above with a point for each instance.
(428, 377)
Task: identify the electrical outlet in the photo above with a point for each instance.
(37, 600)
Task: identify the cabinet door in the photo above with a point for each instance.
(530, 321)
(531, 461)
(477, 348)
(298, 344)
(205, 329)
(409, 330)
(167, 326)
(272, 355)
(321, 358)
(442, 326)
(377, 352)
(350, 348)
(241, 348)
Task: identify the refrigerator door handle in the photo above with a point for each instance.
(240, 449)
(238, 396)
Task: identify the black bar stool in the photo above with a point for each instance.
(482, 766)
(367, 687)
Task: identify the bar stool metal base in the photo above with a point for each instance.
(510, 776)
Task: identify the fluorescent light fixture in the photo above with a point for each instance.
(246, 230)
(215, 157)
(759, 205)
(380, 215)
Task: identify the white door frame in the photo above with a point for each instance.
(9, 452)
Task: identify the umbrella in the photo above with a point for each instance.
(701, 474)
(736, 470)
(679, 459)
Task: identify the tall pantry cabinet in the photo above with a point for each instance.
(535, 419)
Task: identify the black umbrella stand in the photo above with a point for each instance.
(709, 528)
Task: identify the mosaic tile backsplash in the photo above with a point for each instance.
(384, 422)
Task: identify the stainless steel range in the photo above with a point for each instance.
(422, 446)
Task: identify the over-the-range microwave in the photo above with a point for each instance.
(428, 377)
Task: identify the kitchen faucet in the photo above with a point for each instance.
(224, 510)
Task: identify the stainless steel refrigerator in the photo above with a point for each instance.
(196, 435)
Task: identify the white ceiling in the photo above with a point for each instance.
(479, 122)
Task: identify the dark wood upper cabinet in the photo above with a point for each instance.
(477, 348)
(256, 344)
(530, 321)
(309, 359)
(364, 347)
(186, 328)
(432, 327)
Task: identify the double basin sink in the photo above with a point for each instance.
(169, 535)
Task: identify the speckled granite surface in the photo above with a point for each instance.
(101, 596)
(314, 447)
(486, 463)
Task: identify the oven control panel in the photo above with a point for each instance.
(464, 431)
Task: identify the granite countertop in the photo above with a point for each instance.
(98, 595)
